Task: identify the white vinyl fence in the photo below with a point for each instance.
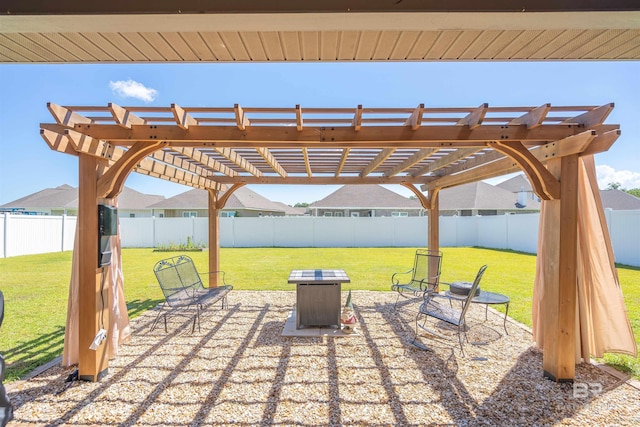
(22, 235)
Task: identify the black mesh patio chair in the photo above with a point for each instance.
(438, 307)
(415, 282)
(184, 291)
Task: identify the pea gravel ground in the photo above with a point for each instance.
(239, 371)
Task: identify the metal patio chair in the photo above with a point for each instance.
(184, 291)
(419, 280)
(439, 308)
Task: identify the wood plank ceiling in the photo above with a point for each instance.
(211, 148)
(259, 31)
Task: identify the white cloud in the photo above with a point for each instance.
(627, 179)
(133, 89)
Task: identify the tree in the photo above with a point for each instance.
(613, 186)
(634, 192)
(301, 205)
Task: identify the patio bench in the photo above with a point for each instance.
(184, 291)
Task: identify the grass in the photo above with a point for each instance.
(36, 287)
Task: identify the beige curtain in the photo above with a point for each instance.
(118, 330)
(602, 323)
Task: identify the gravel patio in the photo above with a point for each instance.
(238, 370)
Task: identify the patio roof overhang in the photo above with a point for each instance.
(258, 31)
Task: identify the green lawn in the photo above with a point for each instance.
(36, 287)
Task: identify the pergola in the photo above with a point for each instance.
(423, 148)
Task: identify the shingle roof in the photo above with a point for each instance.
(619, 200)
(289, 210)
(366, 196)
(66, 196)
(515, 184)
(480, 195)
(242, 198)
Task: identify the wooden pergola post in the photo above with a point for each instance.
(560, 274)
(214, 238)
(93, 299)
(434, 228)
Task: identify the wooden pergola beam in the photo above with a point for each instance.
(111, 183)
(368, 136)
(572, 145)
(322, 180)
(545, 185)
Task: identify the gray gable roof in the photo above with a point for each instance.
(242, 198)
(480, 195)
(66, 196)
(366, 196)
(515, 184)
(619, 200)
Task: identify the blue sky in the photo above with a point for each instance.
(27, 165)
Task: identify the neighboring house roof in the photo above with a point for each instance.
(365, 196)
(66, 197)
(619, 200)
(242, 198)
(480, 195)
(515, 184)
(289, 210)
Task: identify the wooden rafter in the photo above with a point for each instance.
(241, 119)
(357, 118)
(343, 160)
(65, 117)
(475, 118)
(595, 117)
(268, 157)
(377, 161)
(446, 160)
(124, 117)
(299, 122)
(234, 157)
(307, 165)
(533, 118)
(415, 120)
(412, 160)
(205, 160)
(182, 118)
